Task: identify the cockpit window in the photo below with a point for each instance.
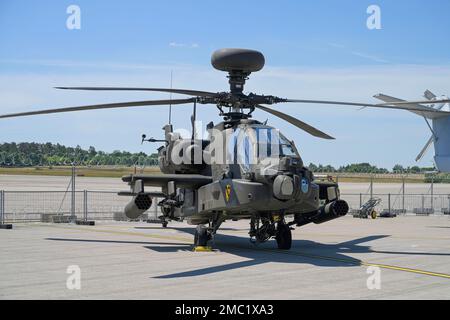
(247, 146)
(271, 143)
(286, 147)
(240, 149)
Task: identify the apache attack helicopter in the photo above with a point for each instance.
(244, 169)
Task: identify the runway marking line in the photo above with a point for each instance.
(364, 263)
(307, 255)
(127, 233)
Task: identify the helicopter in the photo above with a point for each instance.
(244, 168)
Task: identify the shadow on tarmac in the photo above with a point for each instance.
(302, 252)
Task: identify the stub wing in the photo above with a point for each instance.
(161, 180)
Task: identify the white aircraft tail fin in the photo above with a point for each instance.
(429, 95)
(438, 106)
(440, 128)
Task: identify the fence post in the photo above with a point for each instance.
(85, 205)
(360, 200)
(403, 198)
(448, 210)
(432, 194)
(72, 207)
(371, 187)
(2, 207)
(423, 204)
(389, 202)
(2, 212)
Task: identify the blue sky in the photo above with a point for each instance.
(319, 49)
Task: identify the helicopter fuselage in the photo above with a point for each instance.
(243, 170)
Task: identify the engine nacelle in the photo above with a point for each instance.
(183, 156)
(138, 205)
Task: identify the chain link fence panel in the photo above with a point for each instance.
(55, 206)
(421, 204)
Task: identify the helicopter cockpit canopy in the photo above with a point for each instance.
(248, 145)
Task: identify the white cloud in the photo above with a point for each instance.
(358, 53)
(184, 45)
(368, 56)
(88, 65)
(176, 44)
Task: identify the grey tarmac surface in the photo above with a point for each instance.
(57, 183)
(145, 261)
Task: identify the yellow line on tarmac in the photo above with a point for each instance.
(418, 271)
(356, 262)
(127, 233)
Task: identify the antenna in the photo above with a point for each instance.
(193, 119)
(170, 106)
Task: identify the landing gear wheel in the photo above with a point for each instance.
(201, 236)
(164, 224)
(284, 237)
(373, 214)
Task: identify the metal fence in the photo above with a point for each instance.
(402, 204)
(34, 206)
(29, 206)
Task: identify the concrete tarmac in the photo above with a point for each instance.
(57, 183)
(145, 261)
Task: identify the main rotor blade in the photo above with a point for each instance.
(100, 106)
(394, 105)
(179, 91)
(299, 124)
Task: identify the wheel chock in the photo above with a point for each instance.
(85, 223)
(202, 249)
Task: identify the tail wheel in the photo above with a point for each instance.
(373, 214)
(201, 236)
(284, 236)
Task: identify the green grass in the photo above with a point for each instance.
(377, 178)
(116, 172)
(108, 172)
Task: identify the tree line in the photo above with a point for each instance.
(48, 154)
(368, 168)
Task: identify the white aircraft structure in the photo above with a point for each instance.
(439, 114)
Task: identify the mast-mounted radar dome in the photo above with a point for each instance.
(244, 60)
(239, 63)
